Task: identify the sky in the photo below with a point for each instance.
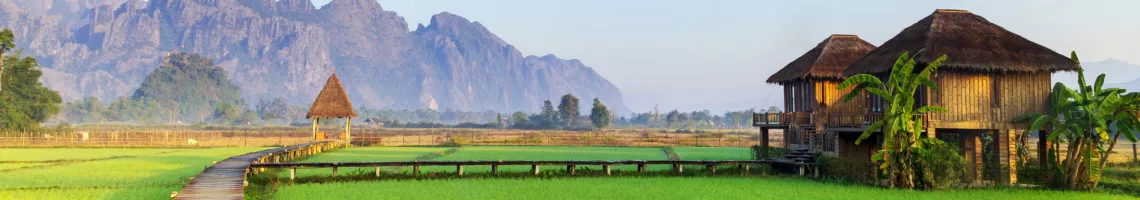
(715, 55)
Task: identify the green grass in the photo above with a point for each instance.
(151, 176)
(363, 154)
(713, 153)
(1121, 179)
(34, 155)
(645, 188)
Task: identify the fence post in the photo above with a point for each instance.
(1134, 158)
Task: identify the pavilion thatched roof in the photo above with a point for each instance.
(970, 43)
(332, 102)
(826, 61)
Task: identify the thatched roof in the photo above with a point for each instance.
(970, 43)
(826, 61)
(332, 102)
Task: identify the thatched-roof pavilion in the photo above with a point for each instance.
(991, 76)
(332, 102)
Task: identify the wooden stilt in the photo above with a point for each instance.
(534, 169)
(459, 169)
(495, 169)
(640, 168)
(334, 171)
(377, 171)
(607, 168)
(292, 173)
(570, 169)
(415, 170)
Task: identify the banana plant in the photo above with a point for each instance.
(1089, 120)
(901, 126)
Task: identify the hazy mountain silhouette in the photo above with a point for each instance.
(288, 48)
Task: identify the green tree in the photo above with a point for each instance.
(24, 101)
(548, 115)
(670, 118)
(6, 44)
(518, 118)
(600, 115)
(1088, 120)
(499, 120)
(568, 109)
(227, 113)
(191, 83)
(902, 150)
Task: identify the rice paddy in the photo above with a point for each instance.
(645, 188)
(105, 173)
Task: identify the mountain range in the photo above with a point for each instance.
(288, 48)
(1118, 74)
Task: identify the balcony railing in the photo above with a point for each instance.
(784, 118)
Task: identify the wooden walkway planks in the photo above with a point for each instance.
(226, 179)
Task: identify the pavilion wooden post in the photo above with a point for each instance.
(315, 128)
(348, 130)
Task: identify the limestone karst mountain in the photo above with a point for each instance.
(104, 48)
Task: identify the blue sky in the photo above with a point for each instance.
(716, 54)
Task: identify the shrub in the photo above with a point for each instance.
(940, 166)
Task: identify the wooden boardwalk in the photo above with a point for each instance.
(226, 179)
(678, 165)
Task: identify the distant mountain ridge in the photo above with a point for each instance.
(287, 48)
(1118, 74)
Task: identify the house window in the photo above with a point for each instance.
(937, 94)
(995, 84)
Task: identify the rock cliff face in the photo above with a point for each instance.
(287, 48)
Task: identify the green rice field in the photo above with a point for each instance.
(550, 153)
(645, 188)
(480, 153)
(713, 153)
(375, 154)
(144, 174)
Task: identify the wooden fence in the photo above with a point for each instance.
(548, 138)
(382, 137)
(181, 138)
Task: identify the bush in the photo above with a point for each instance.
(940, 166)
(772, 152)
(844, 170)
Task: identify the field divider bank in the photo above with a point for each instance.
(227, 179)
(535, 165)
(53, 163)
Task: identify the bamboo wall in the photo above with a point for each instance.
(969, 99)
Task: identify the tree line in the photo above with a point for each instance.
(25, 102)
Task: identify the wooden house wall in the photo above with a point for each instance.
(799, 96)
(969, 98)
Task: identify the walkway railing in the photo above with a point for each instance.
(678, 165)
